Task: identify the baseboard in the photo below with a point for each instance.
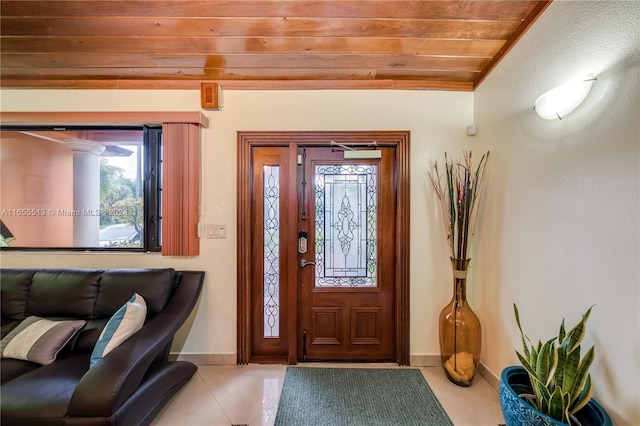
(417, 360)
(205, 359)
(492, 379)
(420, 360)
(423, 360)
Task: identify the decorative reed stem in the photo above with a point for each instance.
(459, 198)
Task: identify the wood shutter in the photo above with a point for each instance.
(180, 189)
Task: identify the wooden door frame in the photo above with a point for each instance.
(249, 139)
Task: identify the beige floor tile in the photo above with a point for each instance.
(476, 405)
(267, 419)
(209, 371)
(193, 405)
(248, 393)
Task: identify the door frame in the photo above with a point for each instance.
(293, 139)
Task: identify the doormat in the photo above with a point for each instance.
(358, 396)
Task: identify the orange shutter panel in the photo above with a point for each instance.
(180, 189)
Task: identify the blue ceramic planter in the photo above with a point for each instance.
(515, 381)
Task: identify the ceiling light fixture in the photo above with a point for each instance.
(558, 102)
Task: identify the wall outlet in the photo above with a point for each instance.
(216, 231)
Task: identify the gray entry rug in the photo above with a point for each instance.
(358, 396)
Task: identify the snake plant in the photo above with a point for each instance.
(5, 242)
(559, 376)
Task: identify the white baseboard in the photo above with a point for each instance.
(424, 360)
(205, 359)
(421, 360)
(492, 379)
(416, 360)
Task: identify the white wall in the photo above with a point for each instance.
(437, 121)
(560, 229)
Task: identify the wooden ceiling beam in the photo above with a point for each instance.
(239, 74)
(376, 9)
(257, 45)
(162, 84)
(136, 62)
(255, 27)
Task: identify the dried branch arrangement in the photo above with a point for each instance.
(459, 188)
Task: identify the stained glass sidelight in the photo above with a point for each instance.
(271, 284)
(346, 198)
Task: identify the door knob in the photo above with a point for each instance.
(304, 263)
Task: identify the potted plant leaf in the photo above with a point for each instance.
(553, 386)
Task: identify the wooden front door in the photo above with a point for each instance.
(346, 254)
(300, 200)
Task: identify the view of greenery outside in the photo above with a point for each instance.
(121, 202)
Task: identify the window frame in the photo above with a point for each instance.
(153, 189)
(152, 181)
(176, 244)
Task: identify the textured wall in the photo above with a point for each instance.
(560, 230)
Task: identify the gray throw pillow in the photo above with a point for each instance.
(38, 340)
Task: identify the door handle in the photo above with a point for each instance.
(304, 263)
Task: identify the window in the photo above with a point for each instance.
(95, 188)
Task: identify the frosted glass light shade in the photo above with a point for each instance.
(558, 102)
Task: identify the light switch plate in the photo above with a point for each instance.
(216, 231)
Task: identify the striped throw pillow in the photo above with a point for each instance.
(123, 324)
(38, 339)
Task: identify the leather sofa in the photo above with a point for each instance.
(129, 385)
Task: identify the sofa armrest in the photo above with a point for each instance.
(112, 380)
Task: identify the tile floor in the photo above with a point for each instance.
(224, 395)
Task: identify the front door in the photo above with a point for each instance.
(323, 246)
(346, 255)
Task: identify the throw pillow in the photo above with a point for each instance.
(38, 340)
(122, 325)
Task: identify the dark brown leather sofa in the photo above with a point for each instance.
(131, 384)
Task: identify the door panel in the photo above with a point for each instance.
(366, 326)
(326, 326)
(346, 305)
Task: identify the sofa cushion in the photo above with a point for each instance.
(123, 324)
(88, 336)
(14, 291)
(38, 340)
(117, 286)
(7, 326)
(12, 368)
(63, 293)
(41, 396)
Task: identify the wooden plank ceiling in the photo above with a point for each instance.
(449, 45)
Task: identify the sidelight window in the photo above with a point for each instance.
(271, 288)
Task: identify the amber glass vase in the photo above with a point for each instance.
(459, 331)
